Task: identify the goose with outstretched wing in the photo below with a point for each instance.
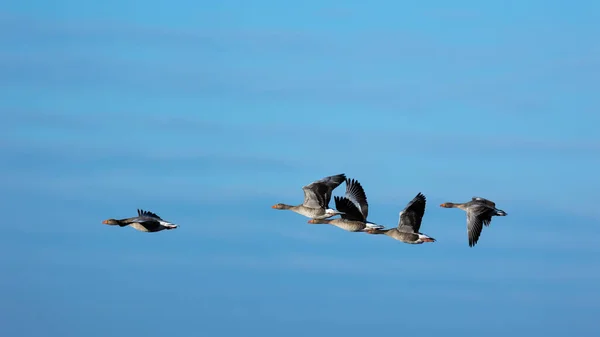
(317, 196)
(409, 223)
(479, 213)
(146, 221)
(353, 208)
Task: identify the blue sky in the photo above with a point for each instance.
(208, 113)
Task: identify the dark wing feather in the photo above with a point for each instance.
(314, 196)
(351, 212)
(411, 216)
(318, 193)
(356, 194)
(484, 200)
(478, 216)
(332, 182)
(148, 214)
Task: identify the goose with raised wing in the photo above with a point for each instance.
(317, 196)
(145, 222)
(354, 210)
(409, 223)
(479, 213)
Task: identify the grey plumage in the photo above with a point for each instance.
(409, 223)
(318, 193)
(479, 214)
(354, 210)
(317, 196)
(146, 221)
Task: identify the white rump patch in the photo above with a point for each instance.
(373, 225)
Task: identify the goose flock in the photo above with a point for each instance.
(353, 210)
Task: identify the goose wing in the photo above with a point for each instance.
(484, 200)
(148, 214)
(478, 216)
(356, 194)
(349, 208)
(318, 193)
(409, 219)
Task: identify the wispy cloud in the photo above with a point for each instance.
(488, 269)
(118, 31)
(104, 166)
(453, 268)
(121, 158)
(202, 69)
(448, 143)
(119, 121)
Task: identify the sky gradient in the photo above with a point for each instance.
(208, 113)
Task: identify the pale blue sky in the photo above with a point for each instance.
(208, 113)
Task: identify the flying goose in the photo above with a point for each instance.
(409, 223)
(316, 198)
(479, 212)
(354, 210)
(145, 222)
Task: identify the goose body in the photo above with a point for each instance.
(409, 223)
(317, 196)
(479, 213)
(353, 209)
(145, 222)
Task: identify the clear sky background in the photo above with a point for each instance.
(208, 113)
